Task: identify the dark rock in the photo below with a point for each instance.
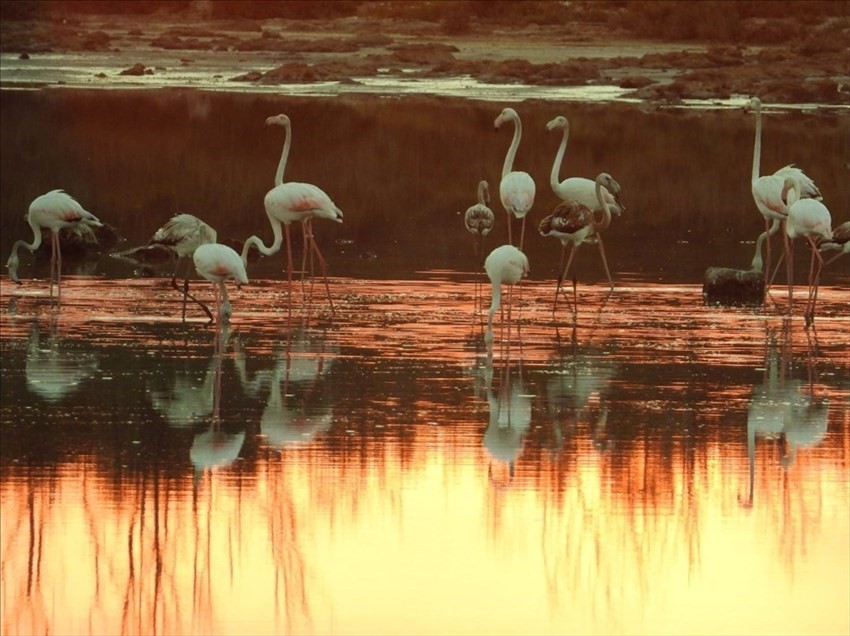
(731, 287)
(635, 81)
(24, 56)
(136, 69)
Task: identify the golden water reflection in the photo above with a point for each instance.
(622, 476)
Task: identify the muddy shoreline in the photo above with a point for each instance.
(254, 54)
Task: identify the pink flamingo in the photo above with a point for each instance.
(516, 188)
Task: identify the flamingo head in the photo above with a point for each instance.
(559, 122)
(508, 114)
(790, 190)
(753, 104)
(278, 120)
(12, 265)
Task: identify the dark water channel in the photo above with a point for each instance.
(645, 465)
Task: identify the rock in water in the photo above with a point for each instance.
(727, 286)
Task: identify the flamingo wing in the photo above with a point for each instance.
(517, 192)
(808, 189)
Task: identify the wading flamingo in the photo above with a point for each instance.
(810, 219)
(578, 189)
(574, 223)
(51, 211)
(516, 189)
(183, 234)
(505, 265)
(293, 201)
(219, 263)
(479, 221)
(767, 193)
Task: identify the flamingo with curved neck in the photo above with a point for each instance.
(577, 189)
(293, 201)
(574, 223)
(516, 188)
(768, 194)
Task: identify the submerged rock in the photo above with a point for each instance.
(727, 286)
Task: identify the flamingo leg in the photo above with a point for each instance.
(814, 282)
(58, 268)
(573, 250)
(775, 270)
(767, 228)
(604, 260)
(324, 269)
(522, 234)
(510, 238)
(789, 266)
(305, 235)
(288, 270)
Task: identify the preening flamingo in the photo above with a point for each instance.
(219, 263)
(516, 188)
(183, 234)
(839, 242)
(578, 189)
(574, 223)
(479, 221)
(505, 265)
(51, 211)
(810, 219)
(767, 193)
(293, 201)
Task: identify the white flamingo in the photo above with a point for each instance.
(183, 234)
(505, 265)
(578, 189)
(768, 193)
(478, 220)
(219, 263)
(574, 223)
(516, 188)
(293, 201)
(810, 219)
(51, 211)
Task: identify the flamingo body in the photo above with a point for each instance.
(51, 211)
(219, 263)
(505, 265)
(300, 202)
(839, 242)
(578, 189)
(479, 218)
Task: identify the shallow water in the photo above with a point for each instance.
(646, 465)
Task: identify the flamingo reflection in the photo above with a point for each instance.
(784, 409)
(214, 448)
(294, 377)
(510, 417)
(51, 373)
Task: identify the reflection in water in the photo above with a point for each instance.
(103, 531)
(51, 372)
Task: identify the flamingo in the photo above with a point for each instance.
(505, 265)
(219, 263)
(574, 223)
(182, 234)
(768, 192)
(810, 219)
(516, 188)
(52, 211)
(840, 242)
(479, 221)
(578, 188)
(293, 201)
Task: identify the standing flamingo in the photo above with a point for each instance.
(219, 263)
(505, 265)
(768, 193)
(810, 219)
(839, 242)
(293, 201)
(52, 211)
(516, 188)
(574, 223)
(479, 221)
(578, 189)
(183, 234)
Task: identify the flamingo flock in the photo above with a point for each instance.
(788, 199)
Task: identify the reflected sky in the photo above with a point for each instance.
(651, 466)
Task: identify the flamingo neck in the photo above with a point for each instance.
(483, 193)
(284, 155)
(256, 240)
(606, 210)
(559, 159)
(494, 305)
(12, 263)
(508, 166)
(757, 147)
